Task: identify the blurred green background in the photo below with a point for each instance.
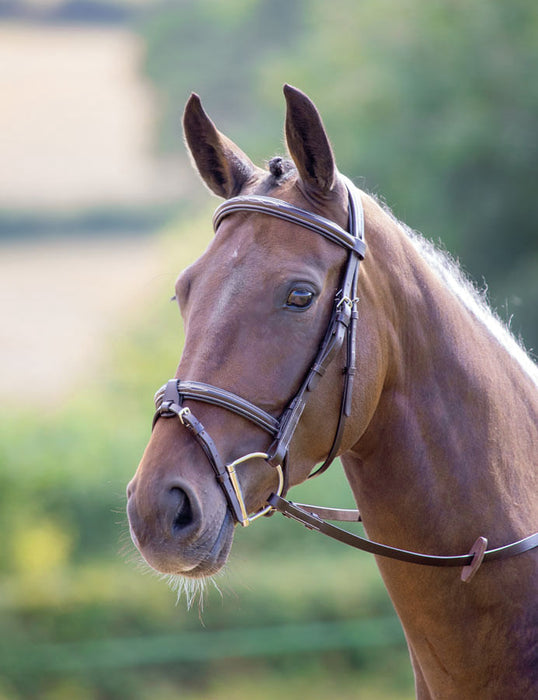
(432, 106)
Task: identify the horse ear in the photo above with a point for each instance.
(308, 143)
(223, 166)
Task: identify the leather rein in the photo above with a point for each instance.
(342, 328)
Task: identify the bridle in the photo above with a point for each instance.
(342, 328)
(169, 399)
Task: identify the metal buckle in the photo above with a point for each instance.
(230, 468)
(348, 302)
(183, 412)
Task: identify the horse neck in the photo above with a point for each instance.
(448, 456)
(452, 441)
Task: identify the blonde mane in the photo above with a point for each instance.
(449, 271)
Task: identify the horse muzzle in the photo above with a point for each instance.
(168, 528)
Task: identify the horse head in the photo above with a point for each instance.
(256, 307)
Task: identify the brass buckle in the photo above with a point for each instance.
(184, 411)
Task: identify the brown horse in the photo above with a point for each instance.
(439, 447)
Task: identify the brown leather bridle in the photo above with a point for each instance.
(342, 327)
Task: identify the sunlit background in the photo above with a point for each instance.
(431, 106)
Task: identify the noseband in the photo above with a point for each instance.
(342, 327)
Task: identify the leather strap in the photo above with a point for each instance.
(342, 325)
(313, 522)
(205, 441)
(288, 212)
(340, 514)
(220, 397)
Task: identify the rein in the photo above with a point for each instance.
(342, 327)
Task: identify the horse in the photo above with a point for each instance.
(402, 371)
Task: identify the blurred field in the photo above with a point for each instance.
(61, 304)
(77, 127)
(77, 119)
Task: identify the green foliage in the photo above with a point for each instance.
(433, 106)
(217, 48)
(80, 619)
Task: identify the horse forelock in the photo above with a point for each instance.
(281, 170)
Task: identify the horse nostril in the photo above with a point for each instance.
(130, 489)
(183, 509)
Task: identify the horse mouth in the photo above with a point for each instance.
(199, 559)
(213, 561)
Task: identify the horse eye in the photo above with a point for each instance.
(300, 298)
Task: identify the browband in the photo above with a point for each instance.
(280, 209)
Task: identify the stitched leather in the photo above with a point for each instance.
(288, 212)
(220, 397)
